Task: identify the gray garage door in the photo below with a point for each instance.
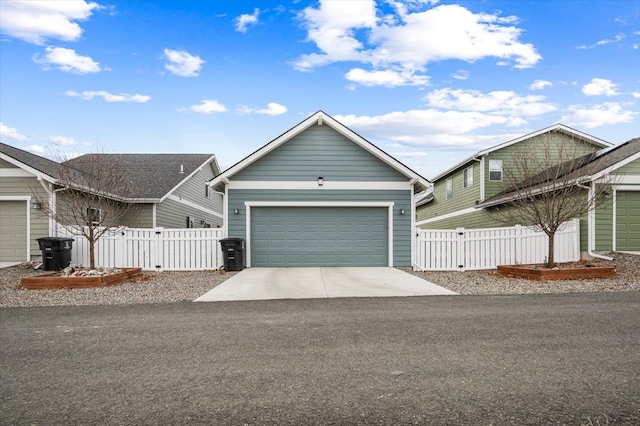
(319, 236)
(13, 231)
(628, 221)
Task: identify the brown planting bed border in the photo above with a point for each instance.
(54, 280)
(536, 272)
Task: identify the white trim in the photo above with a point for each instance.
(26, 198)
(335, 125)
(11, 173)
(249, 204)
(189, 176)
(616, 166)
(154, 215)
(448, 215)
(193, 205)
(482, 179)
(617, 180)
(29, 169)
(412, 210)
(626, 188)
(313, 185)
(614, 222)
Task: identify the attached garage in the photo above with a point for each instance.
(319, 236)
(13, 231)
(628, 221)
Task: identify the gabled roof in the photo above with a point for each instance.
(555, 128)
(589, 168)
(31, 162)
(155, 175)
(322, 118)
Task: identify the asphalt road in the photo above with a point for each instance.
(544, 359)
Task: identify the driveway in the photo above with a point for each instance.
(322, 282)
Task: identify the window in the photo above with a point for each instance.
(449, 188)
(468, 177)
(190, 222)
(93, 215)
(207, 191)
(495, 170)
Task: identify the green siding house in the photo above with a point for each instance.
(321, 195)
(463, 196)
(171, 192)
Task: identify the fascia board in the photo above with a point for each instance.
(35, 172)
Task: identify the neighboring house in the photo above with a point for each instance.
(172, 192)
(458, 192)
(615, 224)
(321, 195)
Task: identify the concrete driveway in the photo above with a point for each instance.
(322, 282)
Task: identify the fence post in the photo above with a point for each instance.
(460, 240)
(518, 245)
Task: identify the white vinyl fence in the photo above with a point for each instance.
(474, 249)
(152, 249)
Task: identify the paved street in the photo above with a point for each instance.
(565, 359)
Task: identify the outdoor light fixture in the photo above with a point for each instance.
(36, 205)
(402, 211)
(236, 211)
(320, 181)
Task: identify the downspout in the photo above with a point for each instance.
(591, 225)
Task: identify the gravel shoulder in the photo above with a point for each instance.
(167, 287)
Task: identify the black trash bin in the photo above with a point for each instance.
(233, 253)
(56, 252)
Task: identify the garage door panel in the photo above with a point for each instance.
(310, 236)
(628, 221)
(13, 231)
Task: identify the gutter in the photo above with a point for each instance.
(591, 226)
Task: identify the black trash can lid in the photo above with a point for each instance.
(232, 240)
(60, 239)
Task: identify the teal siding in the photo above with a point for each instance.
(319, 151)
(401, 223)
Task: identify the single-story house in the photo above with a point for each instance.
(171, 192)
(321, 195)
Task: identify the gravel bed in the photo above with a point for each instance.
(489, 282)
(166, 287)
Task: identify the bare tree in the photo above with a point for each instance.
(546, 185)
(92, 199)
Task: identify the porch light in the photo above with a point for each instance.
(402, 211)
(236, 211)
(36, 205)
(320, 181)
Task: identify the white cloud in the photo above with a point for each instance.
(63, 140)
(407, 41)
(411, 154)
(11, 133)
(183, 63)
(505, 103)
(540, 84)
(36, 149)
(388, 78)
(616, 39)
(108, 97)
(245, 20)
(207, 106)
(68, 60)
(35, 21)
(272, 108)
(461, 75)
(600, 87)
(635, 94)
(597, 115)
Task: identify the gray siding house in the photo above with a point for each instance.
(321, 195)
(172, 192)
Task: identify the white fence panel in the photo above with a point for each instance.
(475, 249)
(151, 249)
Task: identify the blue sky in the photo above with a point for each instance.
(429, 82)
